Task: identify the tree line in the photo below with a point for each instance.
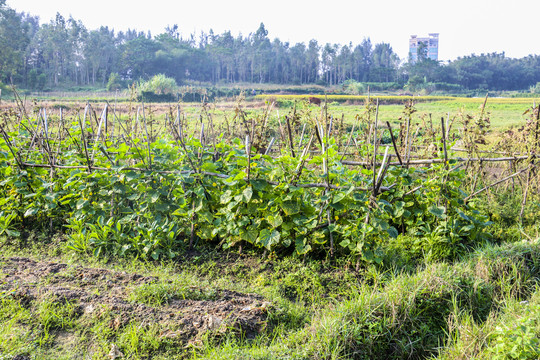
(64, 53)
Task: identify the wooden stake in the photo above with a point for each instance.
(394, 142)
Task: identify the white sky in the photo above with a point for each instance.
(465, 26)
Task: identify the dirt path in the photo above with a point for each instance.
(94, 289)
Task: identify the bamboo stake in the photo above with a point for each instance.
(269, 146)
(525, 193)
(20, 164)
(375, 147)
(96, 141)
(348, 142)
(444, 143)
(302, 136)
(394, 142)
(290, 136)
(382, 172)
(147, 139)
(300, 166)
(248, 153)
(407, 140)
(84, 143)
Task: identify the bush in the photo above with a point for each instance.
(535, 89)
(159, 84)
(4, 90)
(353, 87)
(114, 83)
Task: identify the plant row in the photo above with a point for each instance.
(152, 199)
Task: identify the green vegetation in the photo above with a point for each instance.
(137, 199)
(158, 88)
(482, 306)
(146, 235)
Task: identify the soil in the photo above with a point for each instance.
(94, 289)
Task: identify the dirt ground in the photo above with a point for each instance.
(94, 289)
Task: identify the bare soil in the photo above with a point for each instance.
(95, 289)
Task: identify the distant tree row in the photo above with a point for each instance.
(64, 52)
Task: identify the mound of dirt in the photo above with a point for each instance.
(93, 289)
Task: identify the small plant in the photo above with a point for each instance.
(517, 340)
(8, 224)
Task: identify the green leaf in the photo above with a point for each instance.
(154, 196)
(162, 207)
(463, 216)
(13, 233)
(226, 197)
(338, 197)
(368, 255)
(247, 194)
(133, 197)
(290, 207)
(259, 185)
(345, 243)
(301, 247)
(438, 211)
(31, 211)
(269, 238)
(206, 215)
(82, 203)
(240, 176)
(209, 166)
(275, 220)
(198, 202)
(249, 235)
(392, 232)
(131, 175)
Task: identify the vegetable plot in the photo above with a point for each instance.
(130, 195)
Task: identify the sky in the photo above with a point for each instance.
(465, 26)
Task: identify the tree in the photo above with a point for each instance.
(313, 62)
(114, 83)
(13, 42)
(384, 63)
(260, 55)
(137, 58)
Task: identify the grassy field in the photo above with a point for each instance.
(503, 112)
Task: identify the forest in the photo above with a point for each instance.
(64, 53)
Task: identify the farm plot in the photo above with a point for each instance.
(368, 195)
(122, 191)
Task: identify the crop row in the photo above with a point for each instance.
(148, 198)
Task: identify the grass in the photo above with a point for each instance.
(158, 294)
(319, 310)
(503, 112)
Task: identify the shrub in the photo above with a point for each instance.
(160, 85)
(114, 83)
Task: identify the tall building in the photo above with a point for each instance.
(431, 46)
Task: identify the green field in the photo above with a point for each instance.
(504, 112)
